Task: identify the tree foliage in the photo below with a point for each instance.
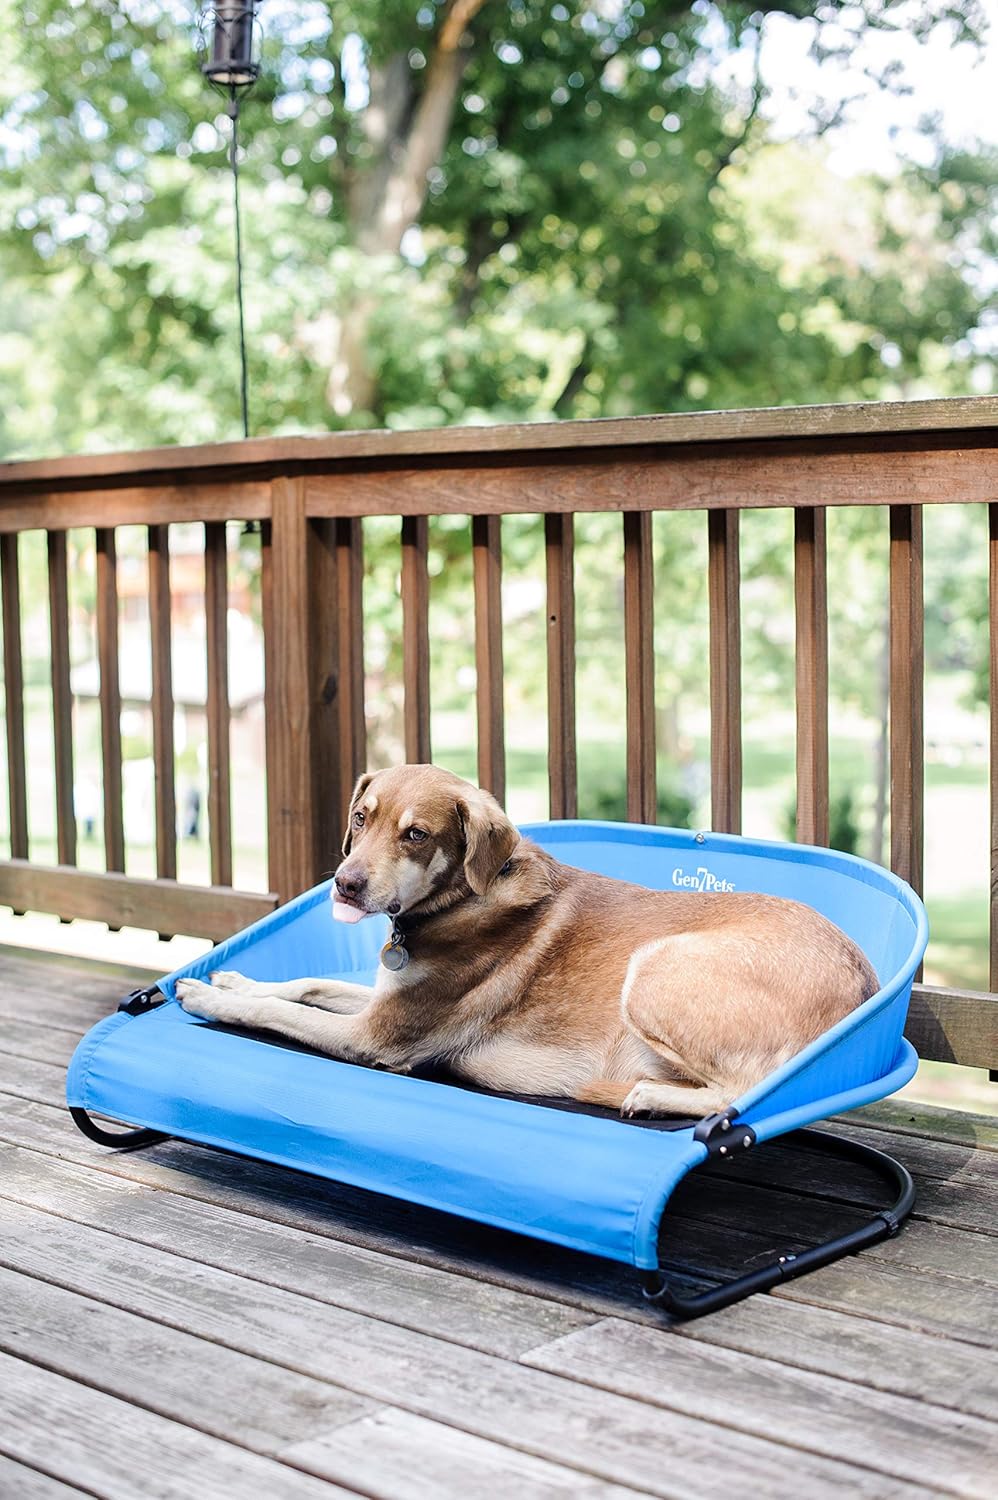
(471, 210)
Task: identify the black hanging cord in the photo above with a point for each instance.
(234, 161)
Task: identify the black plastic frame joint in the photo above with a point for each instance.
(140, 1001)
(723, 1136)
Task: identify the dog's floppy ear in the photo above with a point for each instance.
(358, 792)
(489, 839)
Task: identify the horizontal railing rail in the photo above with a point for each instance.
(310, 497)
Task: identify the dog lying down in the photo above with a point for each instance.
(524, 975)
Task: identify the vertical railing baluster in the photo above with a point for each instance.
(62, 696)
(724, 582)
(110, 696)
(216, 608)
(161, 656)
(350, 645)
(811, 653)
(13, 672)
(907, 671)
(563, 776)
(992, 636)
(486, 549)
(416, 638)
(328, 774)
(291, 823)
(639, 669)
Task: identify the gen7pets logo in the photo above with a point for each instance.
(700, 880)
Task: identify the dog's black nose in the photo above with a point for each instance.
(350, 883)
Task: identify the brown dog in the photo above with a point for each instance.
(525, 975)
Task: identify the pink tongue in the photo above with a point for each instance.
(344, 913)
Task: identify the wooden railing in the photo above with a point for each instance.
(310, 496)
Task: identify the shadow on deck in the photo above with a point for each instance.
(181, 1322)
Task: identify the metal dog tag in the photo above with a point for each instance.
(394, 956)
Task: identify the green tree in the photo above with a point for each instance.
(458, 211)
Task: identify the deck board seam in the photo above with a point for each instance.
(34, 1468)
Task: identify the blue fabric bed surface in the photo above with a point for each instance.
(591, 1183)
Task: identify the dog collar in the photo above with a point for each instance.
(395, 955)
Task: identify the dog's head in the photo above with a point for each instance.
(417, 835)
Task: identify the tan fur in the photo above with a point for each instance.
(544, 979)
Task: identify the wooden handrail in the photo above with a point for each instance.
(278, 455)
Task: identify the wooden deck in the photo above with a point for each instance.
(182, 1323)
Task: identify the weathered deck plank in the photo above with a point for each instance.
(497, 1399)
(420, 1298)
(397, 1454)
(890, 1434)
(29, 1484)
(240, 1328)
(116, 1450)
(175, 1374)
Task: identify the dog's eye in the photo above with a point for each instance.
(358, 819)
(417, 835)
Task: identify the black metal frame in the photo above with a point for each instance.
(122, 1140)
(884, 1224)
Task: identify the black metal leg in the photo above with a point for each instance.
(122, 1140)
(882, 1226)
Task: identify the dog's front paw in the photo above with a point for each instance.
(642, 1100)
(228, 979)
(200, 999)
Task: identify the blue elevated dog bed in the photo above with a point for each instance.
(579, 1177)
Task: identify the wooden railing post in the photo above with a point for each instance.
(291, 803)
(314, 663)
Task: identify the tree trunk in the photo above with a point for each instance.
(388, 198)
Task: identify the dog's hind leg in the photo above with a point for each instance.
(650, 1097)
(610, 1092)
(686, 998)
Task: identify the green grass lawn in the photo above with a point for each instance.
(958, 944)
